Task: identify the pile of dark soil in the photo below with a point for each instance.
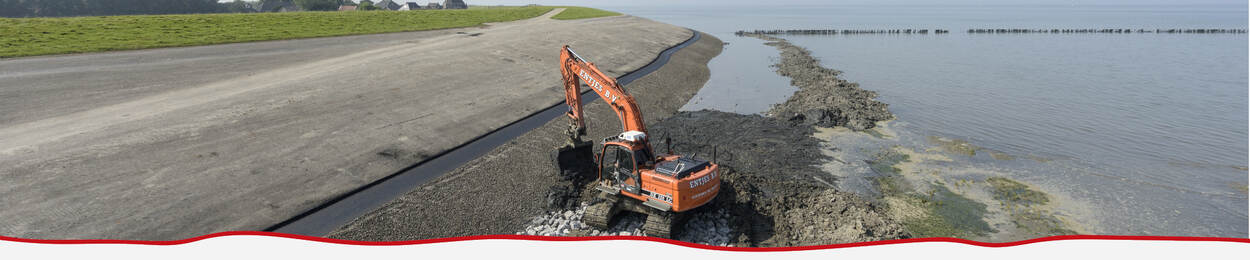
(753, 144)
(771, 184)
(823, 99)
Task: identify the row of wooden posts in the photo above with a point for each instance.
(987, 31)
(1106, 30)
(819, 31)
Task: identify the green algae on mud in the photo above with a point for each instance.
(964, 216)
(1024, 207)
(962, 147)
(929, 208)
(933, 194)
(1039, 223)
(941, 213)
(938, 213)
(1009, 191)
(955, 146)
(884, 161)
(877, 134)
(1000, 155)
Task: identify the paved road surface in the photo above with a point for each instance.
(172, 143)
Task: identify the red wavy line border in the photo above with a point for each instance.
(636, 238)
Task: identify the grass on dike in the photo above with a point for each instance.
(44, 36)
(577, 12)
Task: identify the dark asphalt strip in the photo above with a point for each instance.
(341, 210)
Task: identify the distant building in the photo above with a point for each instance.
(255, 6)
(433, 6)
(388, 5)
(409, 6)
(454, 4)
(347, 8)
(278, 6)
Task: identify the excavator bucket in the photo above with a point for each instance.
(575, 163)
(575, 160)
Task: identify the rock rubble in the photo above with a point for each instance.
(710, 228)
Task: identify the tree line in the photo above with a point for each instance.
(59, 8)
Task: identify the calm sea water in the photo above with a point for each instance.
(1150, 129)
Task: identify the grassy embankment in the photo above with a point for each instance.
(43, 36)
(575, 12)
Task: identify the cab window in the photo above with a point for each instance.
(618, 164)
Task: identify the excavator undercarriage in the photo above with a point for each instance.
(604, 207)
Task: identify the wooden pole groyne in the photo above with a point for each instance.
(986, 31)
(1105, 30)
(845, 31)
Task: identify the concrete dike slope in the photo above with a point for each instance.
(171, 143)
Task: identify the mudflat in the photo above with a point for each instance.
(171, 143)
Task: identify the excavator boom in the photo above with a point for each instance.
(575, 69)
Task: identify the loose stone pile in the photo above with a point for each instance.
(710, 228)
(557, 223)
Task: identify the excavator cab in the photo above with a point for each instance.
(618, 168)
(621, 164)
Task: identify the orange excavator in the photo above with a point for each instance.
(631, 176)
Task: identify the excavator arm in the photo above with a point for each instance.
(576, 70)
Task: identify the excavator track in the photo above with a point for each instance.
(660, 224)
(598, 215)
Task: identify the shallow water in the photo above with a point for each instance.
(1148, 130)
(738, 65)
